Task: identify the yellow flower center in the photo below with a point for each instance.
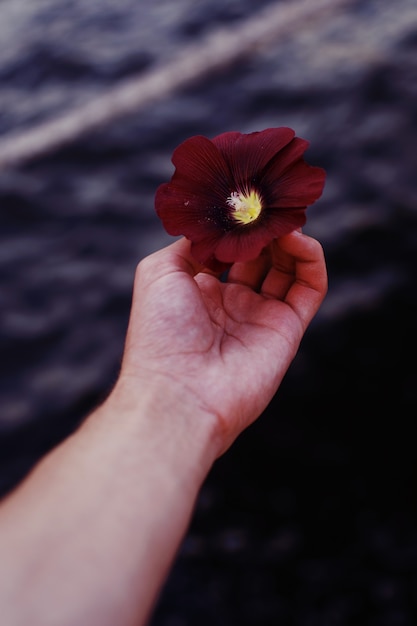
(246, 206)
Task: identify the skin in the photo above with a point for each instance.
(90, 534)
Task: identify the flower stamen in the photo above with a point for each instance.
(246, 206)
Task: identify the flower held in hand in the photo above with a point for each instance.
(233, 194)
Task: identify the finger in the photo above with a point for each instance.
(251, 273)
(281, 274)
(309, 285)
(186, 261)
(175, 257)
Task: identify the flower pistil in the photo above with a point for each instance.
(246, 206)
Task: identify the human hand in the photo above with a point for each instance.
(202, 360)
(223, 346)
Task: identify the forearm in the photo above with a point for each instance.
(86, 538)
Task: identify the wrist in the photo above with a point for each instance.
(156, 410)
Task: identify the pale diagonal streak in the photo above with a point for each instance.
(219, 49)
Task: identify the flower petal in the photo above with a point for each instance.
(299, 186)
(216, 266)
(289, 155)
(245, 244)
(184, 211)
(203, 251)
(226, 141)
(249, 154)
(197, 159)
(237, 246)
(283, 221)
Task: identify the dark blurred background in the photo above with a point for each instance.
(310, 518)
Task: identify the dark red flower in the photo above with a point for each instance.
(233, 194)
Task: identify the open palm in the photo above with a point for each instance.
(226, 345)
